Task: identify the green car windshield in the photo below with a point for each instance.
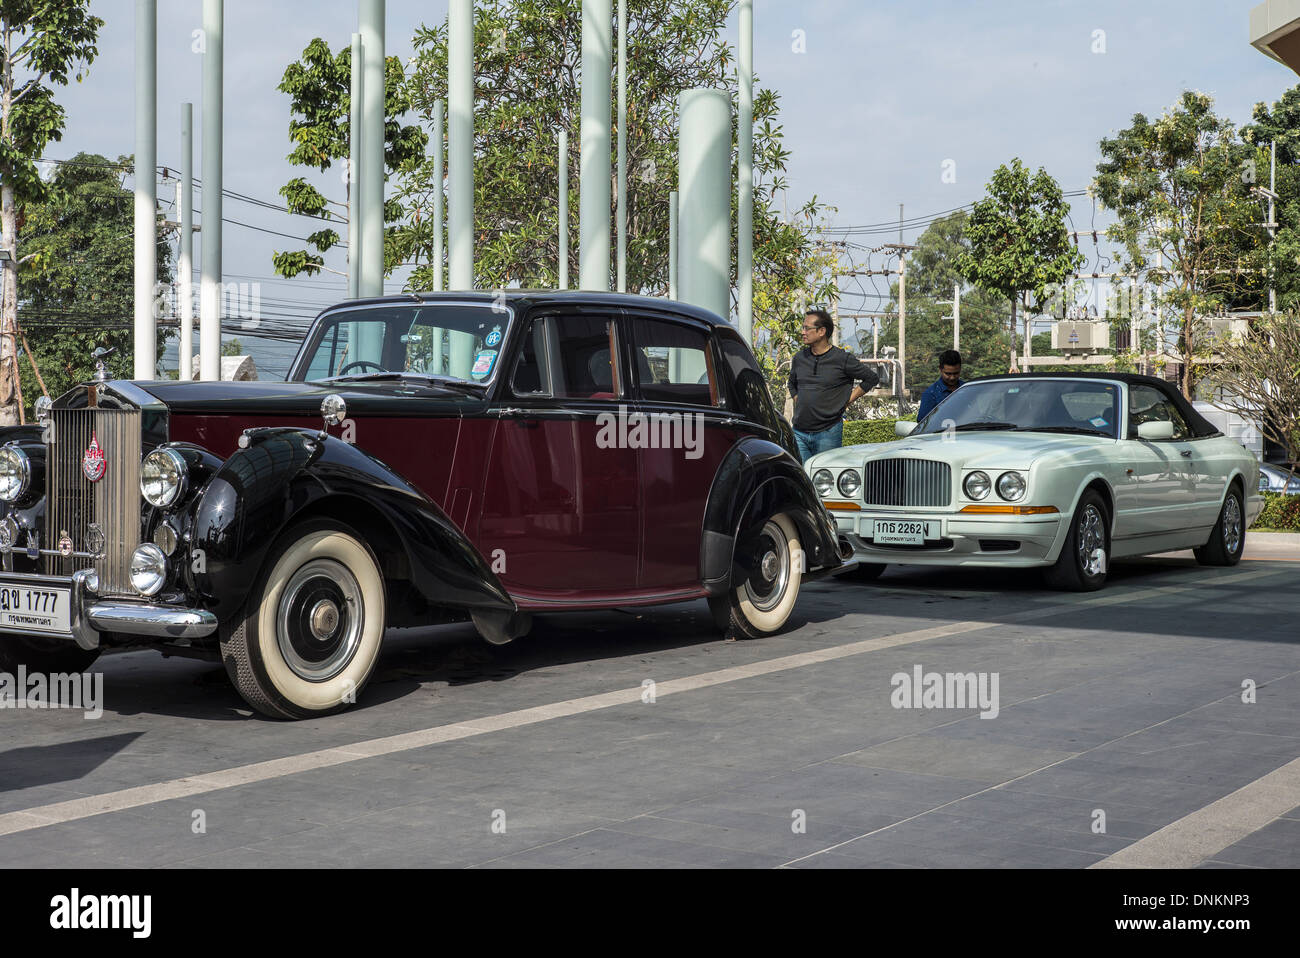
(461, 341)
(1089, 407)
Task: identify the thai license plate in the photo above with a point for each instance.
(904, 532)
(35, 608)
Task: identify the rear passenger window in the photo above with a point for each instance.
(673, 363)
(586, 347)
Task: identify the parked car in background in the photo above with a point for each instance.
(1279, 478)
(1063, 471)
(431, 458)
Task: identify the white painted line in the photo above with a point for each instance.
(137, 796)
(1209, 830)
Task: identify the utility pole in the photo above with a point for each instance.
(955, 303)
(1272, 222)
(902, 249)
(185, 252)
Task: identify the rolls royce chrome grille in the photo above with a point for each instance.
(907, 482)
(89, 442)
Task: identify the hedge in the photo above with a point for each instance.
(870, 430)
(1281, 513)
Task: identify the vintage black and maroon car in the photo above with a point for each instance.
(430, 458)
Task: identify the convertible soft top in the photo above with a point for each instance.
(1198, 424)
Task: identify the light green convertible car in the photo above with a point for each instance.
(1063, 471)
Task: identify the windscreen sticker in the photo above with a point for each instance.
(494, 337)
(1099, 422)
(1014, 389)
(483, 363)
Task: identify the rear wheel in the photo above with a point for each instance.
(1228, 540)
(761, 602)
(309, 635)
(43, 655)
(1085, 557)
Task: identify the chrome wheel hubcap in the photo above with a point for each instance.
(319, 620)
(1232, 525)
(771, 575)
(1092, 541)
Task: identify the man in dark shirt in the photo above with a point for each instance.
(947, 383)
(821, 384)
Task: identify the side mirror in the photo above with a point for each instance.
(1162, 429)
(903, 428)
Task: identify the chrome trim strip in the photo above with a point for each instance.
(153, 620)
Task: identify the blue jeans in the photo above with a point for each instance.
(811, 443)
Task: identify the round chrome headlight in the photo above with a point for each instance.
(148, 569)
(849, 483)
(15, 473)
(162, 477)
(977, 485)
(823, 482)
(1011, 486)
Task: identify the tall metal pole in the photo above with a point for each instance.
(704, 200)
(1272, 222)
(355, 121)
(439, 185)
(185, 253)
(956, 315)
(214, 17)
(902, 322)
(745, 175)
(460, 169)
(460, 143)
(672, 245)
(593, 175)
(621, 215)
(371, 183)
(146, 198)
(563, 199)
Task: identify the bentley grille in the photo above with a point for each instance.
(907, 482)
(113, 503)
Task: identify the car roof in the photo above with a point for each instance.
(529, 298)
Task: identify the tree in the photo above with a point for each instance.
(1258, 378)
(1279, 124)
(76, 285)
(1018, 240)
(932, 272)
(1179, 187)
(42, 43)
(527, 59)
(320, 128)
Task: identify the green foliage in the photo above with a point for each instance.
(932, 270)
(1017, 235)
(1179, 186)
(76, 292)
(857, 431)
(527, 62)
(1281, 513)
(1280, 124)
(320, 87)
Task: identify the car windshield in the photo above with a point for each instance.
(1081, 406)
(454, 340)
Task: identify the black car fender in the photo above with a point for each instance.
(756, 479)
(284, 474)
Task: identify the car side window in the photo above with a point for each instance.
(673, 363)
(752, 397)
(530, 377)
(585, 351)
(1147, 404)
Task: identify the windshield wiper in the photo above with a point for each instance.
(447, 381)
(985, 425)
(1079, 430)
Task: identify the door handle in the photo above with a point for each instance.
(1186, 453)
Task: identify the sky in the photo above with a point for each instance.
(880, 98)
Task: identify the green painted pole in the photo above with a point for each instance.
(355, 122)
(214, 21)
(704, 199)
(672, 245)
(563, 197)
(146, 192)
(460, 168)
(745, 175)
(185, 250)
(371, 181)
(439, 144)
(621, 214)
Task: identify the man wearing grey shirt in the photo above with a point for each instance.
(822, 378)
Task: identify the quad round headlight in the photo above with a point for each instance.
(1011, 486)
(823, 482)
(977, 485)
(849, 483)
(148, 569)
(162, 477)
(15, 473)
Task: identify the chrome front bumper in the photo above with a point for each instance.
(88, 615)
